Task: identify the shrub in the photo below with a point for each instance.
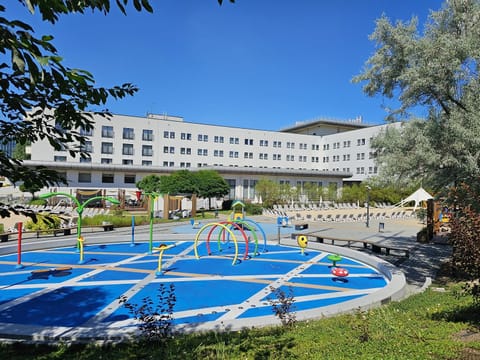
(253, 209)
(155, 319)
(38, 202)
(282, 305)
(465, 227)
(44, 222)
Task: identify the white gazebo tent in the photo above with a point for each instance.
(418, 196)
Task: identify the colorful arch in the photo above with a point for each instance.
(236, 225)
(226, 229)
(258, 226)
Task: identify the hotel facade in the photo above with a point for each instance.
(124, 149)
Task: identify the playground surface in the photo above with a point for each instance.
(54, 296)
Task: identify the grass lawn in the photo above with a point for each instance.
(436, 324)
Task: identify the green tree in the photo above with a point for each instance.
(313, 191)
(35, 85)
(31, 188)
(269, 191)
(179, 182)
(150, 184)
(210, 184)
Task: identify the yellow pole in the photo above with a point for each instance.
(161, 249)
(80, 242)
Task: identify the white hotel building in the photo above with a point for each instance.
(124, 149)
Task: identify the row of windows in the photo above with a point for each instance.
(147, 135)
(346, 157)
(147, 150)
(359, 170)
(346, 144)
(107, 178)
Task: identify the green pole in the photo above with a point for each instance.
(150, 197)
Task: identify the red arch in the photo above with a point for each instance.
(237, 226)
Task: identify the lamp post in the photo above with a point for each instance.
(80, 207)
(368, 205)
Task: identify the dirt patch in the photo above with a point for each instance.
(468, 336)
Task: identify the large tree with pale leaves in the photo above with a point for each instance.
(435, 72)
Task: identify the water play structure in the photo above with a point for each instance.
(234, 296)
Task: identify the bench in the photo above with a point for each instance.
(105, 227)
(373, 246)
(301, 226)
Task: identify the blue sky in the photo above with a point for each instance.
(261, 64)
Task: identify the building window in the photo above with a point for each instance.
(107, 178)
(202, 152)
(87, 147)
(84, 132)
(202, 137)
(147, 135)
(248, 141)
(218, 139)
(59, 158)
(263, 142)
(146, 163)
(147, 150)
(277, 144)
(234, 140)
(360, 142)
(107, 148)
(129, 179)
(127, 162)
(107, 131)
(127, 149)
(106, 161)
(185, 165)
(128, 134)
(233, 154)
(218, 153)
(85, 160)
(84, 177)
(186, 136)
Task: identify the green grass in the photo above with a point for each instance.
(424, 326)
